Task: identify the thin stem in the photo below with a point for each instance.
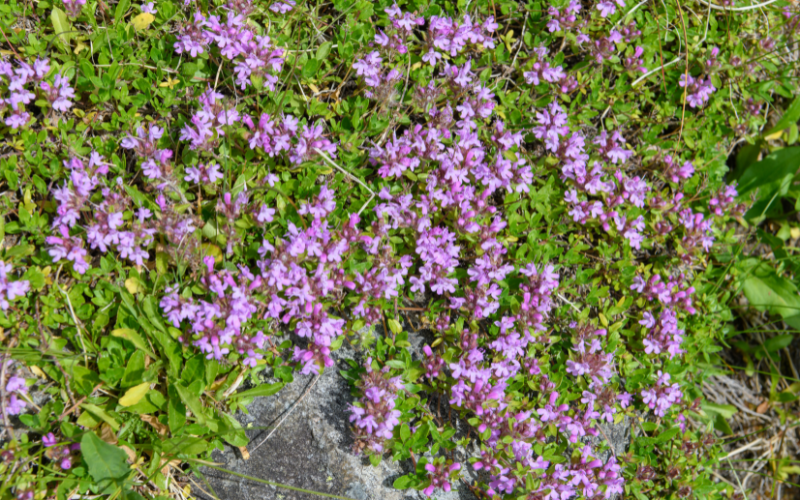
(345, 172)
(273, 483)
(737, 9)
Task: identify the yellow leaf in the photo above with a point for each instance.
(37, 371)
(133, 285)
(313, 88)
(169, 83)
(212, 250)
(134, 394)
(142, 21)
(775, 136)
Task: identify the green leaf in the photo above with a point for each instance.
(187, 445)
(194, 369)
(191, 398)
(134, 370)
(771, 171)
(323, 51)
(668, 434)
(310, 68)
(135, 339)
(122, 8)
(232, 431)
(395, 326)
(777, 343)
(102, 414)
(177, 411)
(86, 68)
(767, 291)
(107, 463)
(790, 117)
(726, 411)
(405, 432)
(61, 24)
(402, 483)
(262, 390)
(722, 425)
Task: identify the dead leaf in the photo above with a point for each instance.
(218, 383)
(763, 407)
(153, 421)
(131, 454)
(165, 465)
(107, 434)
(244, 452)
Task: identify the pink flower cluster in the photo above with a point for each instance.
(663, 395)
(374, 416)
(10, 290)
(439, 475)
(255, 57)
(20, 82)
(724, 202)
(698, 90)
(300, 143)
(15, 390)
(106, 228)
(73, 7)
(155, 162)
(62, 455)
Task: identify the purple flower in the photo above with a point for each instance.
(10, 290)
(73, 7)
(49, 440)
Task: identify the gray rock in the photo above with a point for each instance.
(312, 449)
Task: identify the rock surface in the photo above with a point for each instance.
(312, 449)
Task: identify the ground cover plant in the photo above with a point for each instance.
(586, 209)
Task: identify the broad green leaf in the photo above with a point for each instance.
(134, 337)
(102, 414)
(402, 483)
(107, 463)
(668, 434)
(767, 291)
(232, 431)
(122, 8)
(61, 25)
(134, 370)
(323, 51)
(191, 399)
(777, 343)
(790, 117)
(262, 390)
(187, 445)
(176, 417)
(194, 369)
(395, 326)
(771, 172)
(726, 411)
(722, 425)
